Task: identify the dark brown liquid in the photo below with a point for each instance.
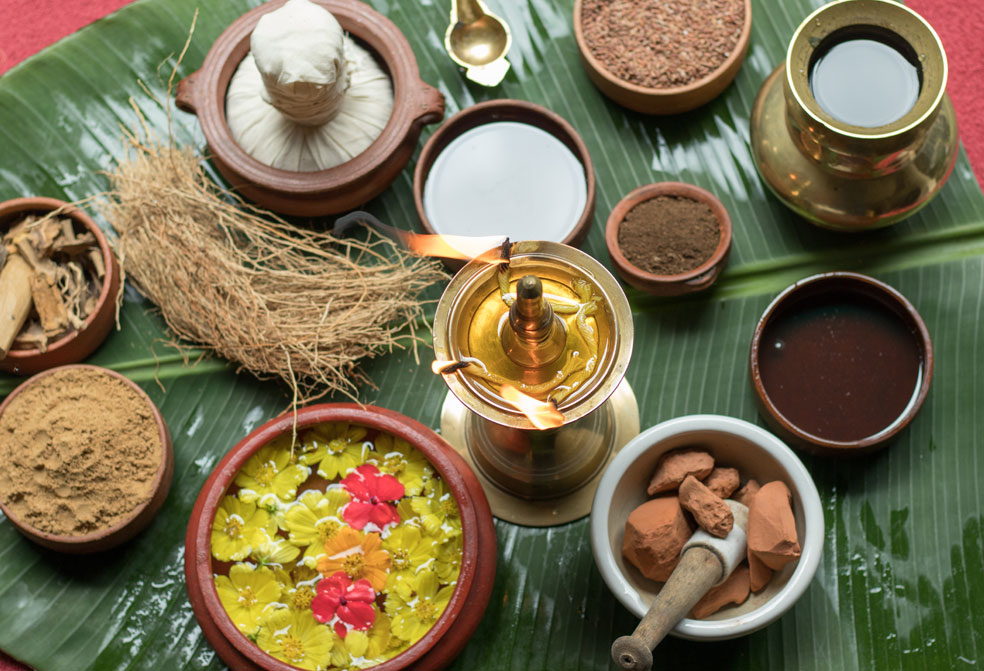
(841, 368)
(865, 82)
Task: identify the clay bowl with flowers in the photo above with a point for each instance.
(367, 542)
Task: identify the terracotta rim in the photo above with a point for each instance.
(642, 279)
(415, 102)
(844, 282)
(506, 110)
(475, 515)
(719, 76)
(76, 345)
(141, 516)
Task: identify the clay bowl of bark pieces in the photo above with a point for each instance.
(840, 364)
(662, 58)
(87, 457)
(348, 451)
(312, 192)
(784, 547)
(58, 285)
(669, 238)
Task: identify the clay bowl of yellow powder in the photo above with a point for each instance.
(85, 459)
(366, 543)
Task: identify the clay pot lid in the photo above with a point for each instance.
(672, 99)
(871, 291)
(76, 345)
(518, 111)
(319, 192)
(452, 630)
(139, 518)
(701, 277)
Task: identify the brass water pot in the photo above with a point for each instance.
(847, 177)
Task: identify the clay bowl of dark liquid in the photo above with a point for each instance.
(840, 364)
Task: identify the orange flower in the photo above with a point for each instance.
(357, 555)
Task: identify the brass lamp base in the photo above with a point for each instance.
(544, 512)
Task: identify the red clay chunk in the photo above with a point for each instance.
(747, 492)
(772, 527)
(711, 512)
(733, 590)
(674, 467)
(759, 573)
(722, 481)
(654, 536)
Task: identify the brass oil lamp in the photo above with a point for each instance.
(534, 347)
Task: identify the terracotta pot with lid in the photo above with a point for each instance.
(319, 192)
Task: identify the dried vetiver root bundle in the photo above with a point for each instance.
(279, 300)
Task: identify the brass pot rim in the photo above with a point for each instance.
(609, 373)
(926, 105)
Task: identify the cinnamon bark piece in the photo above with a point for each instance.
(709, 510)
(674, 467)
(15, 299)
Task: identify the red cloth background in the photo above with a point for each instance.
(27, 26)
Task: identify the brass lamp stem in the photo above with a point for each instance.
(536, 336)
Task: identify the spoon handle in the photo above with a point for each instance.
(466, 11)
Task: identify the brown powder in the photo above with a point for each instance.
(662, 43)
(669, 235)
(79, 450)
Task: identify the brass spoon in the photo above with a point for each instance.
(478, 40)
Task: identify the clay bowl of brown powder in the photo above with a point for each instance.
(669, 238)
(85, 459)
(662, 57)
(100, 273)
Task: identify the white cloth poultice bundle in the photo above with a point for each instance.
(306, 97)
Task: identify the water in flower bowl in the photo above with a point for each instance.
(339, 552)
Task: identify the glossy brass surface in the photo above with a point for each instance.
(575, 328)
(477, 40)
(847, 177)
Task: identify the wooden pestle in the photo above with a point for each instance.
(705, 561)
(15, 299)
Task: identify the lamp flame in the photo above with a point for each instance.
(543, 414)
(486, 249)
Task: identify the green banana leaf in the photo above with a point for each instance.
(901, 582)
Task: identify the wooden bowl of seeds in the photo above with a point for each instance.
(662, 57)
(58, 285)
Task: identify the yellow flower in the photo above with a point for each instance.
(414, 604)
(245, 593)
(409, 550)
(364, 649)
(357, 555)
(299, 588)
(275, 507)
(438, 511)
(237, 528)
(296, 638)
(314, 520)
(447, 565)
(276, 550)
(270, 471)
(337, 446)
(396, 457)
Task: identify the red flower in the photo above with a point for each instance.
(370, 491)
(351, 602)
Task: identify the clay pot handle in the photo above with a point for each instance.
(430, 105)
(185, 98)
